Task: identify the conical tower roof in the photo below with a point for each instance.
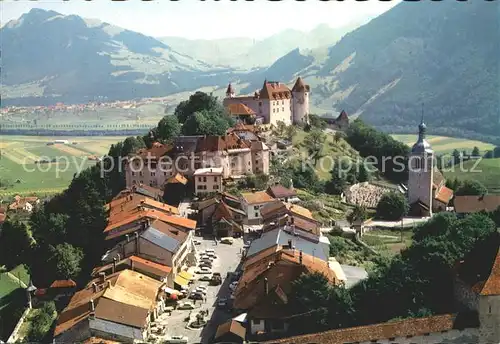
(300, 86)
(230, 89)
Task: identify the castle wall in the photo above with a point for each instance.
(489, 319)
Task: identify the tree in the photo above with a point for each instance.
(392, 206)
(476, 152)
(15, 244)
(358, 213)
(168, 129)
(290, 132)
(41, 324)
(456, 156)
(132, 145)
(363, 174)
(317, 122)
(337, 136)
(280, 129)
(207, 122)
(314, 143)
(65, 261)
(471, 188)
(197, 102)
(343, 173)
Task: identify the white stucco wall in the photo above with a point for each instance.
(116, 329)
(420, 181)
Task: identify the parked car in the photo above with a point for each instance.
(176, 340)
(205, 278)
(185, 305)
(196, 296)
(200, 291)
(209, 250)
(204, 270)
(216, 279)
(204, 287)
(233, 285)
(205, 265)
(196, 242)
(227, 240)
(206, 259)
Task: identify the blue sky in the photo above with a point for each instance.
(208, 19)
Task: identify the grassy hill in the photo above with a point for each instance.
(487, 172)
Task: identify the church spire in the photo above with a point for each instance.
(422, 128)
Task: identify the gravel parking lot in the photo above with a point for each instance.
(228, 259)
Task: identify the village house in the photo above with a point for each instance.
(230, 332)
(246, 132)
(477, 292)
(252, 203)
(159, 272)
(208, 180)
(242, 113)
(237, 158)
(474, 204)
(160, 243)
(118, 307)
(282, 193)
(23, 204)
(299, 219)
(266, 283)
(274, 103)
(221, 215)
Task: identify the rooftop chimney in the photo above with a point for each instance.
(137, 242)
(266, 286)
(92, 307)
(114, 265)
(102, 275)
(128, 237)
(108, 284)
(289, 243)
(94, 287)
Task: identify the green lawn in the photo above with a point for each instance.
(487, 172)
(444, 144)
(388, 242)
(20, 152)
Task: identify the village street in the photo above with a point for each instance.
(228, 259)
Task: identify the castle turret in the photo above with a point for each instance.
(300, 102)
(420, 173)
(230, 91)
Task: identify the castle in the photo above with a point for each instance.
(275, 102)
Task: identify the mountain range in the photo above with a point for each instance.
(249, 53)
(441, 58)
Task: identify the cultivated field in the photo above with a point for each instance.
(19, 155)
(443, 144)
(487, 172)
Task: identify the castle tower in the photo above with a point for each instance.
(420, 173)
(489, 306)
(230, 91)
(300, 102)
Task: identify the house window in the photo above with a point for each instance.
(140, 173)
(153, 174)
(216, 187)
(274, 110)
(256, 169)
(197, 165)
(164, 173)
(134, 182)
(133, 174)
(200, 187)
(232, 164)
(260, 103)
(256, 321)
(282, 102)
(283, 109)
(256, 215)
(215, 179)
(204, 179)
(417, 164)
(199, 179)
(249, 163)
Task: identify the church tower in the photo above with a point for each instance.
(300, 102)
(230, 91)
(420, 173)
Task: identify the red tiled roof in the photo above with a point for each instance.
(473, 204)
(177, 179)
(156, 151)
(240, 109)
(257, 197)
(274, 90)
(220, 143)
(444, 195)
(279, 191)
(492, 285)
(394, 329)
(63, 284)
(158, 269)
